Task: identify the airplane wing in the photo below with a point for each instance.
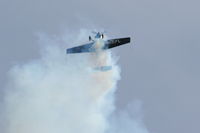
(116, 42)
(81, 49)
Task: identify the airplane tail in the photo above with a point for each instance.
(103, 68)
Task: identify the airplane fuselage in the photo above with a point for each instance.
(98, 44)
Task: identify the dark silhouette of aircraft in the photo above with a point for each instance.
(98, 44)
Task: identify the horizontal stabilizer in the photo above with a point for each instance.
(103, 68)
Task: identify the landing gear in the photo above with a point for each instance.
(90, 38)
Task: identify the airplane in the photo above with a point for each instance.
(98, 44)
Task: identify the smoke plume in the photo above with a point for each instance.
(60, 93)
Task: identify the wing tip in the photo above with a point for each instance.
(129, 39)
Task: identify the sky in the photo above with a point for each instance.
(160, 67)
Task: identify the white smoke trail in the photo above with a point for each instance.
(61, 93)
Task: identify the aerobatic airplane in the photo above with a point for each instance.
(98, 44)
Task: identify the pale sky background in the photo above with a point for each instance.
(161, 67)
